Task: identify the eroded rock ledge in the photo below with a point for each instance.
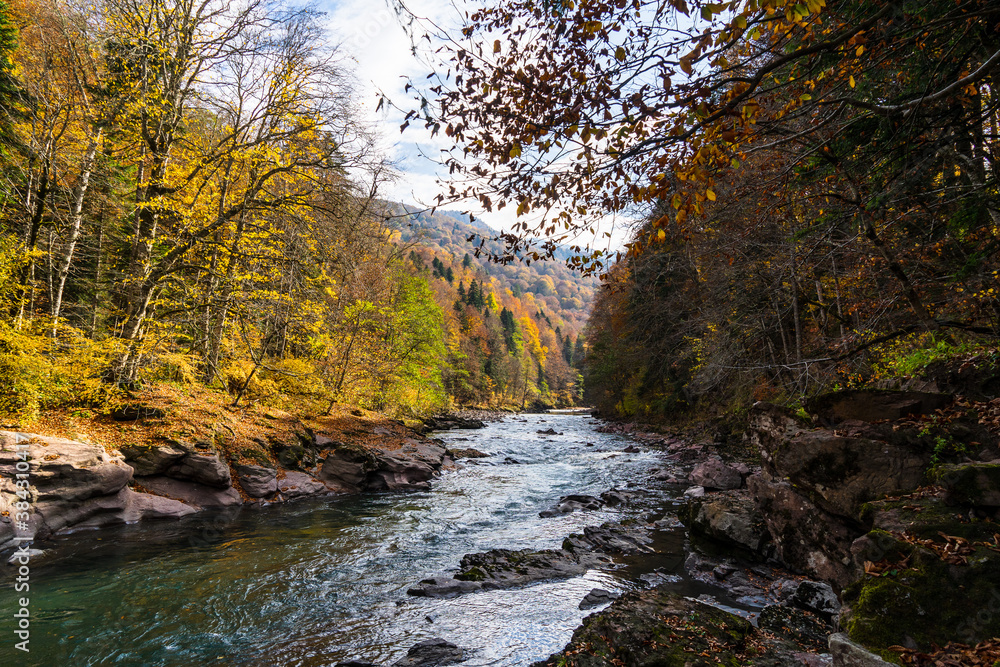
(74, 485)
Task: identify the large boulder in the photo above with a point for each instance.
(202, 468)
(806, 538)
(432, 653)
(257, 481)
(191, 493)
(730, 518)
(357, 468)
(71, 485)
(837, 472)
(714, 474)
(152, 460)
(299, 484)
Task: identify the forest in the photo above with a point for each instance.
(190, 198)
(817, 183)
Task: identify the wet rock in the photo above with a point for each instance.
(355, 468)
(730, 518)
(849, 654)
(191, 493)
(467, 453)
(509, 460)
(572, 503)
(609, 538)
(548, 431)
(257, 481)
(443, 587)
(299, 485)
(695, 492)
(730, 574)
(714, 474)
(356, 663)
(636, 627)
(631, 449)
(596, 597)
(615, 497)
(430, 653)
(803, 627)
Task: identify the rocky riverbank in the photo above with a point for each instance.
(888, 501)
(71, 485)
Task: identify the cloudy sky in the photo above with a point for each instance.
(381, 50)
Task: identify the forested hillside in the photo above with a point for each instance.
(189, 197)
(513, 330)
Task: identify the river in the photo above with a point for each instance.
(319, 582)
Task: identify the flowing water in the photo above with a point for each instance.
(319, 582)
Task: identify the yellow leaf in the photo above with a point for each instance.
(496, 46)
(620, 53)
(515, 151)
(741, 22)
(661, 235)
(858, 51)
(851, 81)
(710, 195)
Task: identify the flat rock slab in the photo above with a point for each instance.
(257, 481)
(431, 653)
(300, 485)
(191, 493)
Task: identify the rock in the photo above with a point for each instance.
(356, 663)
(609, 538)
(356, 468)
(548, 431)
(142, 506)
(511, 461)
(631, 449)
(848, 654)
(730, 518)
(346, 466)
(976, 484)
(695, 492)
(714, 474)
(615, 497)
(871, 405)
(205, 469)
(451, 421)
(257, 481)
(838, 473)
(152, 460)
(133, 412)
(299, 485)
(596, 597)
(430, 653)
(31, 555)
(805, 537)
(191, 493)
(443, 587)
(572, 503)
(656, 627)
(816, 597)
(800, 626)
(467, 453)
(70, 482)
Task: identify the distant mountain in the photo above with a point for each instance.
(560, 290)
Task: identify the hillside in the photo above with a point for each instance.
(512, 331)
(559, 290)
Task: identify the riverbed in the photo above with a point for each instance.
(321, 582)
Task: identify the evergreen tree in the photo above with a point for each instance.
(467, 262)
(449, 276)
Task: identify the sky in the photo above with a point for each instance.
(380, 51)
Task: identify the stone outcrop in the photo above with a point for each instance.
(872, 405)
(77, 485)
(356, 469)
(432, 653)
(71, 485)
